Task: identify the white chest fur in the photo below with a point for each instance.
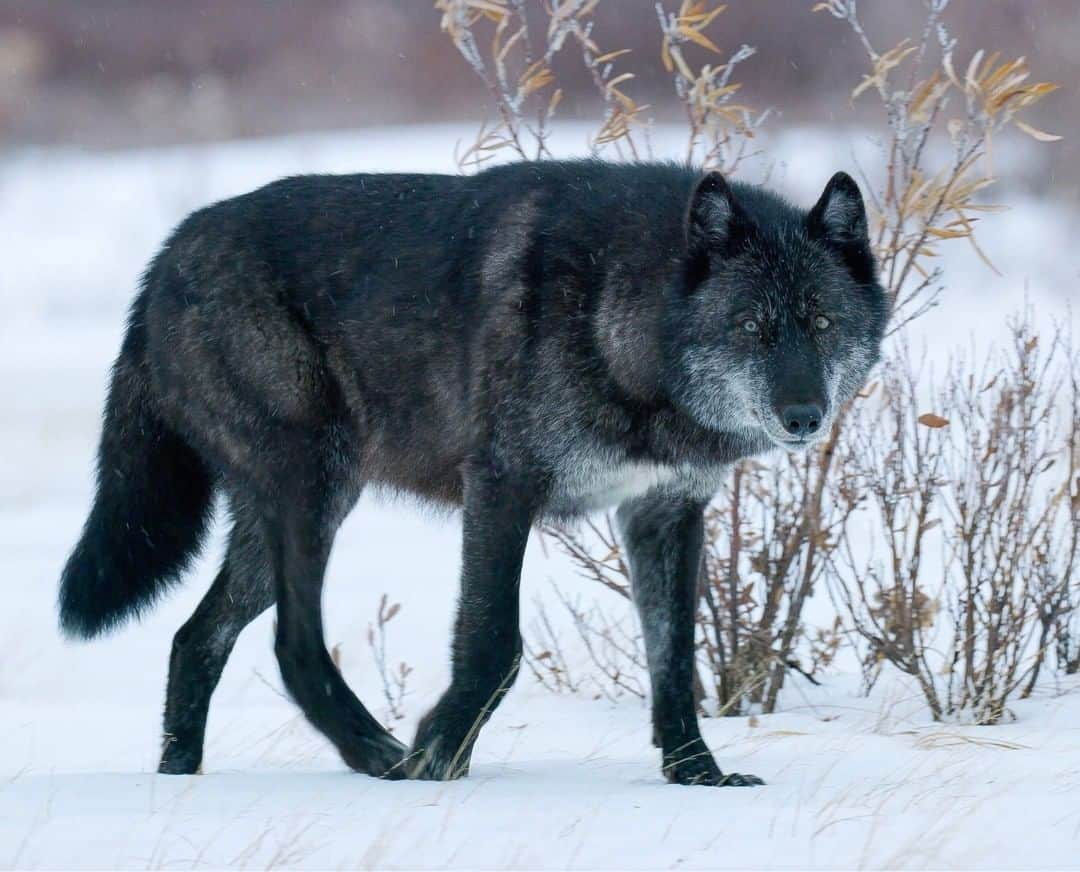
(592, 485)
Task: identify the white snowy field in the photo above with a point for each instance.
(557, 781)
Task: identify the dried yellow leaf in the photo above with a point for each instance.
(611, 55)
(665, 57)
(934, 422)
(699, 38)
(620, 78)
(1035, 133)
(942, 233)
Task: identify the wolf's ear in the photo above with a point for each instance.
(839, 216)
(714, 218)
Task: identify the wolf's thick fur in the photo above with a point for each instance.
(540, 339)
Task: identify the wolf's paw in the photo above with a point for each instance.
(381, 755)
(736, 779)
(444, 743)
(700, 768)
(437, 760)
(178, 758)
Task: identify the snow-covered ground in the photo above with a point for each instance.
(558, 781)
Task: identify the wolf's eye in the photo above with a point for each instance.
(751, 326)
(822, 323)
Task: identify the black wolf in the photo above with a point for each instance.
(537, 340)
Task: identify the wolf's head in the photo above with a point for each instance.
(781, 315)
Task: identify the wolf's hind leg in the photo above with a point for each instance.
(280, 417)
(241, 592)
(663, 535)
(299, 533)
(487, 636)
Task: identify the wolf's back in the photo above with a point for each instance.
(151, 508)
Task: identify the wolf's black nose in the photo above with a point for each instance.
(802, 419)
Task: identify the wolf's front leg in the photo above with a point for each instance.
(498, 514)
(663, 535)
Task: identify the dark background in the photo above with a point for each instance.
(123, 73)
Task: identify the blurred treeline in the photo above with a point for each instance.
(120, 73)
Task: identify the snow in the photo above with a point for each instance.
(557, 781)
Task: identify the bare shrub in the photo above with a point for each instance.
(543, 654)
(977, 521)
(767, 542)
(1060, 618)
(394, 679)
(923, 201)
(720, 131)
(516, 69)
(1012, 519)
(613, 645)
(892, 469)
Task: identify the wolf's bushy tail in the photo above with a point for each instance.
(151, 509)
